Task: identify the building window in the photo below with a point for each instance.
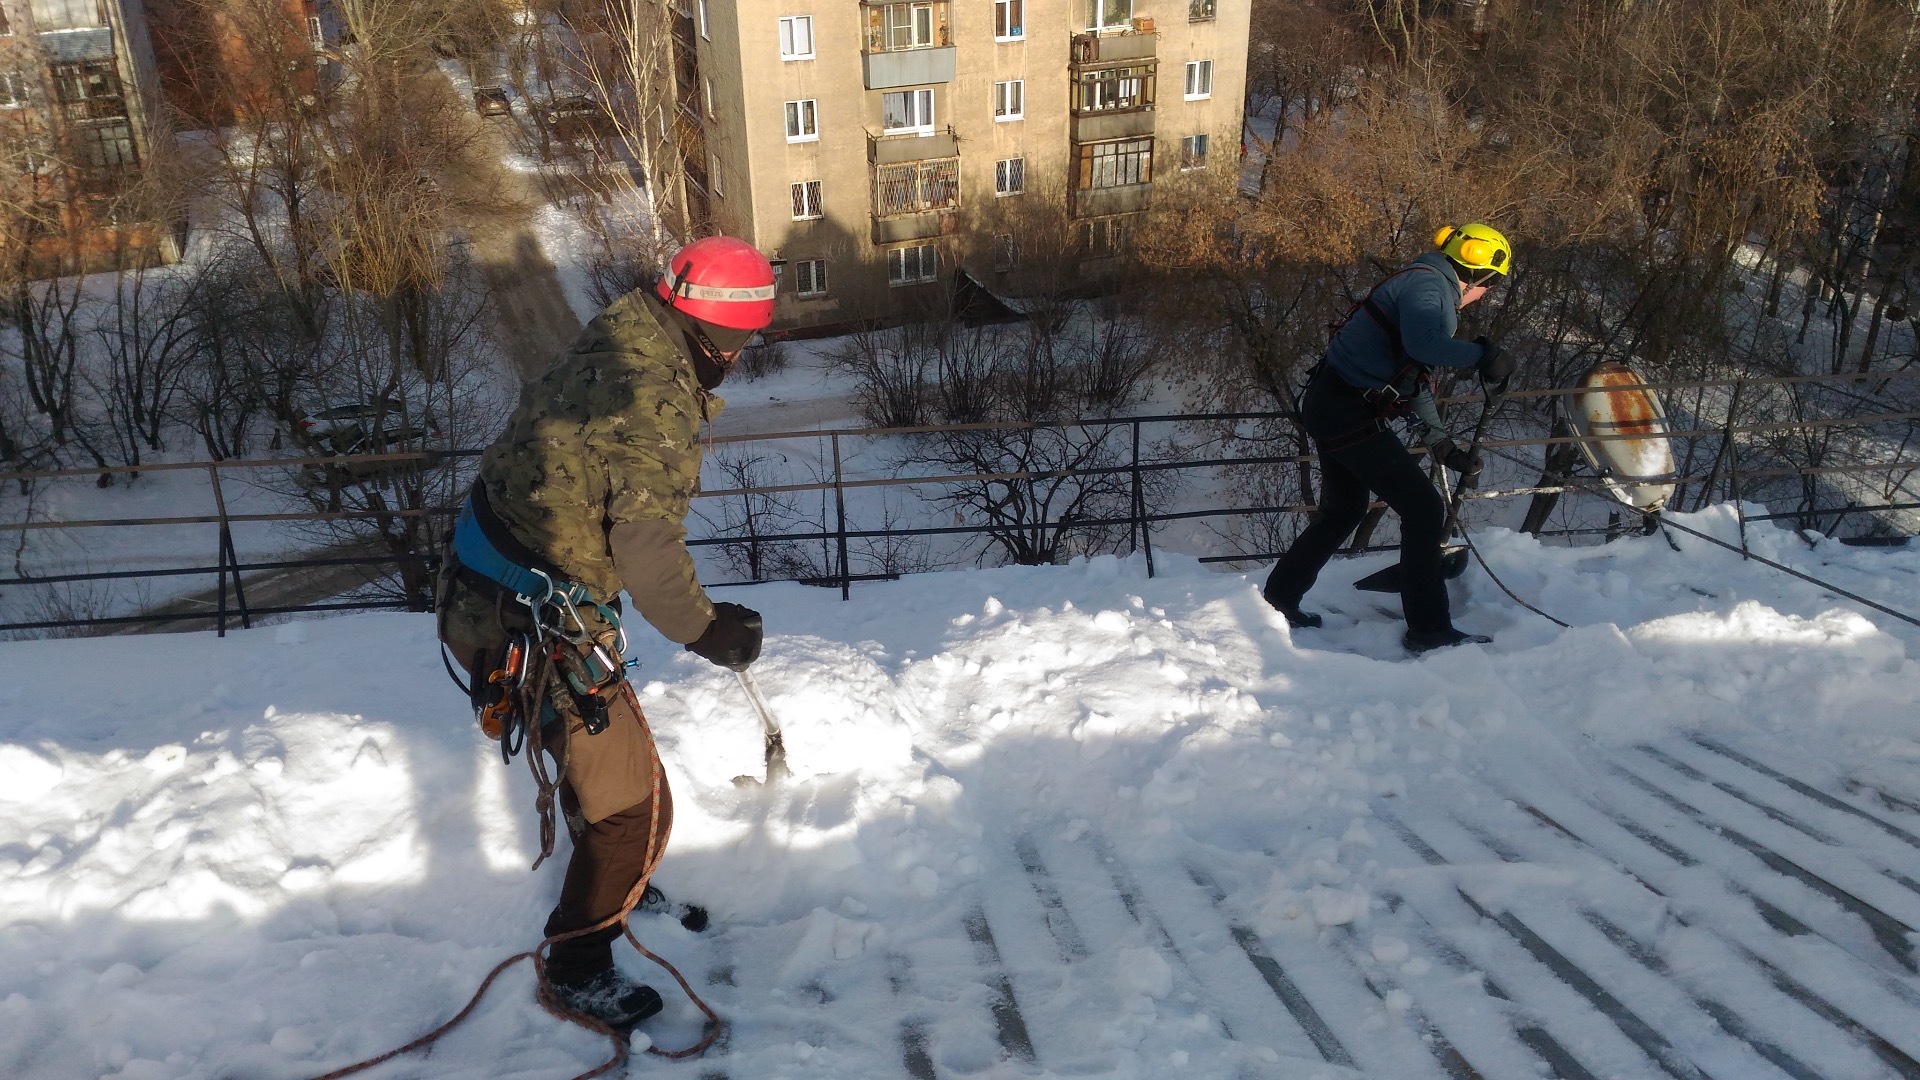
(1199, 10)
(701, 5)
(810, 278)
(1006, 253)
(107, 146)
(1109, 14)
(806, 200)
(801, 126)
(1193, 152)
(6, 29)
(908, 110)
(1009, 99)
(13, 89)
(916, 187)
(1010, 176)
(316, 33)
(713, 171)
(707, 88)
(908, 26)
(1116, 89)
(1115, 164)
(1102, 238)
(796, 37)
(913, 265)
(67, 14)
(1199, 79)
(1009, 20)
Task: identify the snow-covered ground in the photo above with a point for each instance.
(1044, 822)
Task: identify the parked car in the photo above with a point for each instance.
(569, 116)
(349, 429)
(492, 101)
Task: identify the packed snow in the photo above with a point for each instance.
(1092, 796)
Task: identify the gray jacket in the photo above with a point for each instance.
(1425, 299)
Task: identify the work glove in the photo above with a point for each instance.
(1496, 364)
(1465, 462)
(732, 639)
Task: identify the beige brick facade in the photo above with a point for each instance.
(884, 197)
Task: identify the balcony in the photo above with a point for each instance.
(914, 200)
(1100, 126)
(911, 146)
(1104, 202)
(915, 67)
(907, 44)
(1091, 49)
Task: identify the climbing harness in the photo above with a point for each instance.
(1386, 402)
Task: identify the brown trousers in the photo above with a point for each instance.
(609, 854)
(606, 788)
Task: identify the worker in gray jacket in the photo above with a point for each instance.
(1378, 368)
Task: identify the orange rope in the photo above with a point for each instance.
(656, 847)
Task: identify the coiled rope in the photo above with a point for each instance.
(656, 847)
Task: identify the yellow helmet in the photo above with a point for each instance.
(1476, 247)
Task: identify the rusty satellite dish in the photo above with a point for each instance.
(1623, 432)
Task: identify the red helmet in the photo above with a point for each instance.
(721, 280)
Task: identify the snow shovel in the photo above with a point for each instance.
(1453, 563)
(776, 746)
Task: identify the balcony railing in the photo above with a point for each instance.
(912, 146)
(916, 187)
(1089, 49)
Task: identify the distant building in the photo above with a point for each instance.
(76, 86)
(886, 149)
(225, 61)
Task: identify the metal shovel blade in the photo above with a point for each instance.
(776, 747)
(1453, 563)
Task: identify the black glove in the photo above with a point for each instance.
(1465, 462)
(1496, 364)
(733, 637)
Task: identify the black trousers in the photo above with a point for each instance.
(1351, 465)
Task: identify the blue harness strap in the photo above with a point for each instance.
(478, 553)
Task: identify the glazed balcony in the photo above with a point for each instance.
(907, 44)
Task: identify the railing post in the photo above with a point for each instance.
(229, 560)
(1733, 473)
(840, 522)
(1140, 502)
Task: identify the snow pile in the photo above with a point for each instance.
(270, 855)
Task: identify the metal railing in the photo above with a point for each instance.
(1132, 465)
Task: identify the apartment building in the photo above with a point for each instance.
(75, 79)
(883, 150)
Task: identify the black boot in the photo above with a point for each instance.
(1422, 641)
(691, 916)
(609, 997)
(1299, 620)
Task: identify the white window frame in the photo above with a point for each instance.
(1199, 79)
(807, 200)
(1188, 144)
(792, 27)
(918, 30)
(1009, 177)
(713, 176)
(919, 101)
(701, 5)
(1097, 11)
(925, 265)
(1010, 16)
(803, 120)
(810, 279)
(1009, 100)
(707, 91)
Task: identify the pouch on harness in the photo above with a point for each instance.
(509, 686)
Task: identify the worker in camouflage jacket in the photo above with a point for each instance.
(589, 485)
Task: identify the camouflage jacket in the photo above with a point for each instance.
(600, 459)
